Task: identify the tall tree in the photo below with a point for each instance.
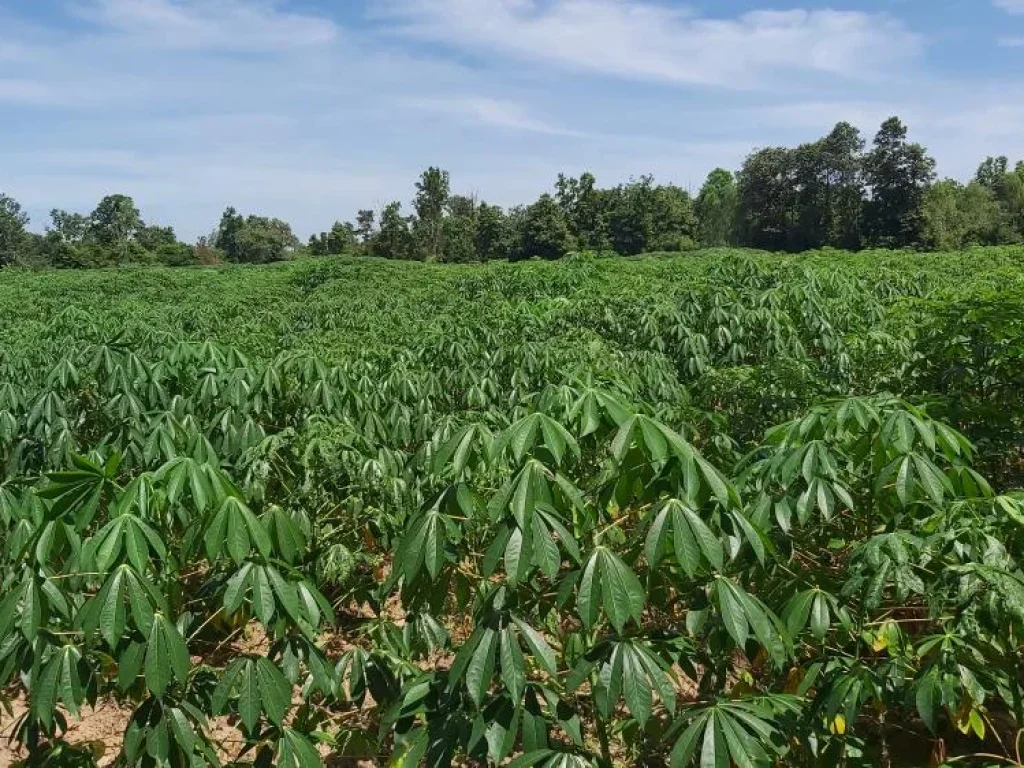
(460, 230)
(394, 239)
(897, 173)
(114, 223)
(767, 205)
(715, 208)
(545, 231)
(68, 227)
(843, 194)
(1007, 188)
(432, 192)
(365, 223)
(583, 205)
(13, 221)
(630, 214)
(673, 225)
(828, 192)
(226, 238)
(493, 238)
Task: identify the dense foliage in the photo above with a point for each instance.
(833, 192)
(721, 509)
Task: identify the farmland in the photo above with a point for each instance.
(716, 508)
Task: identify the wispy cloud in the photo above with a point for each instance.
(1010, 6)
(490, 111)
(226, 25)
(647, 41)
(1011, 42)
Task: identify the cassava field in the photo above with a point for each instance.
(718, 509)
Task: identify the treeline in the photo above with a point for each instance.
(114, 234)
(835, 192)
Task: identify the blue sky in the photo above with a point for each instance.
(311, 109)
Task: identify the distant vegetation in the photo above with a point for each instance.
(835, 192)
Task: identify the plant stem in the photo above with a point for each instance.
(602, 731)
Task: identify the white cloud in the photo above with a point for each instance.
(227, 25)
(647, 41)
(1011, 42)
(1010, 6)
(489, 111)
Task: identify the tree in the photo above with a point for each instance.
(153, 237)
(630, 215)
(828, 193)
(898, 174)
(341, 239)
(583, 205)
(672, 221)
(955, 216)
(715, 209)
(545, 231)
(766, 199)
(13, 221)
(432, 192)
(261, 240)
(1007, 189)
(394, 240)
(226, 237)
(493, 238)
(365, 223)
(992, 172)
(68, 227)
(459, 230)
(114, 224)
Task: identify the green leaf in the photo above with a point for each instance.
(295, 751)
(730, 605)
(481, 666)
(166, 656)
(539, 648)
(275, 691)
(624, 597)
(513, 665)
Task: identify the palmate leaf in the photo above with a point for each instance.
(78, 492)
(425, 544)
(745, 616)
(257, 687)
(271, 594)
(184, 477)
(550, 758)
(605, 581)
(124, 594)
(166, 656)
(62, 680)
(630, 671)
(473, 444)
(815, 608)
(739, 733)
(643, 445)
(287, 538)
(129, 537)
(676, 528)
(235, 530)
(168, 734)
(296, 751)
